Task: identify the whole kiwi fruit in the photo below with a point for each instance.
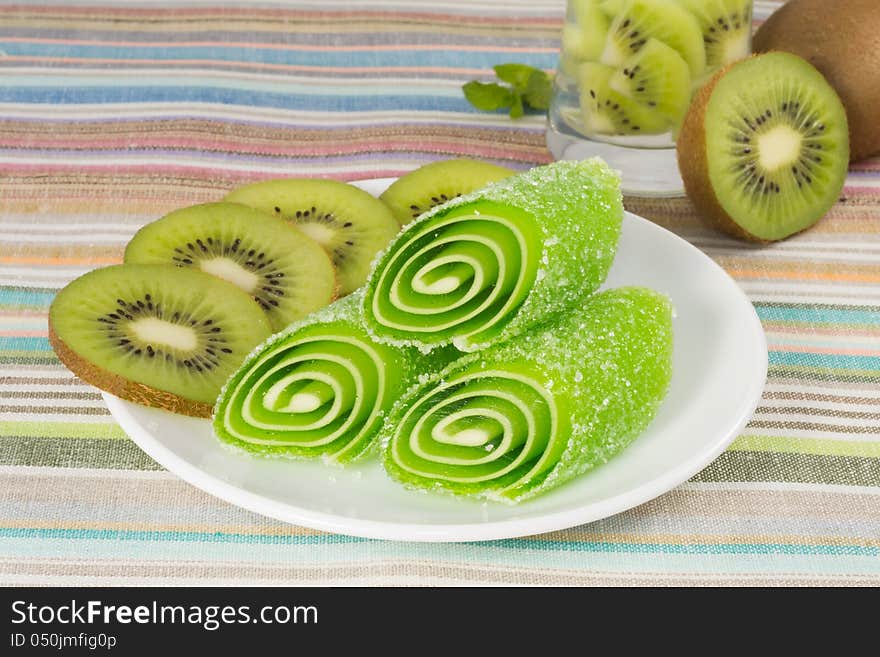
(842, 40)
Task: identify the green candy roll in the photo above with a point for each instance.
(530, 414)
(489, 265)
(321, 388)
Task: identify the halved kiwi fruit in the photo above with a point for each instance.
(664, 20)
(763, 150)
(606, 111)
(348, 223)
(433, 184)
(155, 334)
(287, 273)
(726, 26)
(657, 77)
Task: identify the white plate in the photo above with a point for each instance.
(719, 369)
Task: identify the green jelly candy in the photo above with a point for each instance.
(491, 264)
(528, 415)
(320, 389)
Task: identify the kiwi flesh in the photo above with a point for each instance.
(585, 29)
(726, 26)
(764, 148)
(285, 272)
(606, 111)
(611, 7)
(657, 77)
(433, 184)
(157, 335)
(665, 20)
(348, 223)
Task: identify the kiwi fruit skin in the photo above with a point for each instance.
(841, 40)
(693, 162)
(432, 184)
(118, 378)
(119, 386)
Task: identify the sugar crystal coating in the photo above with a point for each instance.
(319, 389)
(489, 265)
(529, 414)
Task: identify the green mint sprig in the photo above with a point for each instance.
(527, 87)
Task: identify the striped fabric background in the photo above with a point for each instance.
(110, 117)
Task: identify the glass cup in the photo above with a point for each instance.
(627, 72)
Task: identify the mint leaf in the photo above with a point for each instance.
(516, 109)
(530, 88)
(517, 75)
(487, 96)
(538, 91)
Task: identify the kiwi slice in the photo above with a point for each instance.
(665, 20)
(348, 223)
(726, 26)
(583, 35)
(656, 76)
(611, 7)
(763, 150)
(437, 182)
(155, 334)
(608, 112)
(287, 273)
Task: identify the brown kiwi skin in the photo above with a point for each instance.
(842, 40)
(122, 387)
(693, 162)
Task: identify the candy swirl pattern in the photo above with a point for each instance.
(320, 389)
(530, 414)
(489, 265)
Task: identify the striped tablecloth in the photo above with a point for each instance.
(110, 117)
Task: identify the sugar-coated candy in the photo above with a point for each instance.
(486, 266)
(320, 388)
(525, 416)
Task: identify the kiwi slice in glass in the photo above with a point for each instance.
(665, 20)
(657, 77)
(584, 32)
(611, 7)
(155, 334)
(608, 112)
(764, 147)
(726, 26)
(287, 273)
(433, 184)
(350, 225)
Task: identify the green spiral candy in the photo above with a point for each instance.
(488, 265)
(525, 416)
(321, 388)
